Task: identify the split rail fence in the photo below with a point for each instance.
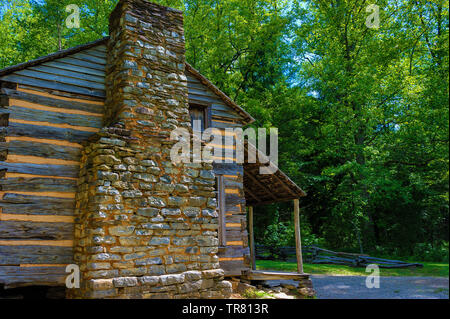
(317, 255)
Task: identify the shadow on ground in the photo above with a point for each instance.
(354, 287)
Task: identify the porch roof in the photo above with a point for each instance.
(267, 188)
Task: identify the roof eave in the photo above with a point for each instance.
(52, 56)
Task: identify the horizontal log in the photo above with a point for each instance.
(235, 219)
(66, 80)
(27, 148)
(221, 125)
(69, 96)
(204, 101)
(233, 251)
(18, 230)
(231, 183)
(21, 79)
(37, 185)
(20, 159)
(234, 199)
(234, 234)
(16, 255)
(24, 113)
(85, 56)
(201, 90)
(237, 234)
(73, 74)
(235, 211)
(97, 52)
(195, 86)
(228, 169)
(200, 99)
(41, 169)
(47, 132)
(38, 205)
(234, 267)
(15, 276)
(100, 47)
(229, 114)
(60, 64)
(54, 102)
(220, 106)
(83, 63)
(191, 78)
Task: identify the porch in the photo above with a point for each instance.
(262, 189)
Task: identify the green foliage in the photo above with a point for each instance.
(437, 252)
(373, 140)
(31, 28)
(427, 252)
(22, 37)
(279, 235)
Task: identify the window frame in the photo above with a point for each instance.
(206, 109)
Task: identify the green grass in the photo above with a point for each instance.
(439, 290)
(255, 294)
(429, 269)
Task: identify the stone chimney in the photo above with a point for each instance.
(145, 227)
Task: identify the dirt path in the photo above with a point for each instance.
(354, 287)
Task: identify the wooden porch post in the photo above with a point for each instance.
(252, 238)
(298, 241)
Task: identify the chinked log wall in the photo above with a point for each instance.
(46, 111)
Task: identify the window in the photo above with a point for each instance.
(221, 209)
(199, 117)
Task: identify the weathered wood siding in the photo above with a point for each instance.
(47, 110)
(236, 255)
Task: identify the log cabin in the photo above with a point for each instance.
(85, 180)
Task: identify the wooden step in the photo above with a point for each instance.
(249, 274)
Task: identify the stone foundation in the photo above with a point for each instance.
(296, 289)
(305, 288)
(189, 284)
